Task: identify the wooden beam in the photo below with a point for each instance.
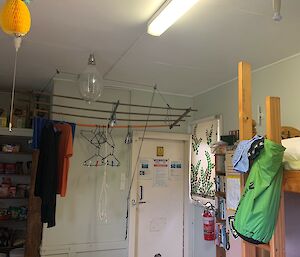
(245, 126)
(34, 225)
(273, 119)
(273, 129)
(245, 100)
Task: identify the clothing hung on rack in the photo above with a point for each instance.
(38, 125)
(65, 151)
(56, 147)
(47, 173)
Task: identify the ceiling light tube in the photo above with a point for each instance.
(168, 14)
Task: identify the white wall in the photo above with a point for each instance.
(280, 79)
(78, 232)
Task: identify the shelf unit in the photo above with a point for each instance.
(16, 153)
(21, 137)
(220, 202)
(18, 132)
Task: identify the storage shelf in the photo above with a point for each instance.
(12, 221)
(13, 198)
(17, 132)
(15, 175)
(16, 153)
(9, 248)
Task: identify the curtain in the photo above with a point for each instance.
(202, 172)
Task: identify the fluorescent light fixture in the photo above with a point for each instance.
(168, 14)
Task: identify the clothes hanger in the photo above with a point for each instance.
(111, 160)
(101, 138)
(94, 161)
(96, 137)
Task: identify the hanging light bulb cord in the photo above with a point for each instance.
(17, 41)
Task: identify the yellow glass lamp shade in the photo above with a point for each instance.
(15, 17)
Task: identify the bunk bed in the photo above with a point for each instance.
(274, 131)
(291, 182)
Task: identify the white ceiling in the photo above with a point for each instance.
(198, 53)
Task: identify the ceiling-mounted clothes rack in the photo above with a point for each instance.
(124, 126)
(103, 118)
(37, 93)
(166, 116)
(103, 111)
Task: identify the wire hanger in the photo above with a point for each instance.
(96, 137)
(111, 160)
(94, 161)
(101, 137)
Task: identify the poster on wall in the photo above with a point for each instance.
(145, 169)
(160, 172)
(176, 170)
(233, 192)
(202, 172)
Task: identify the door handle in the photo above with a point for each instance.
(141, 193)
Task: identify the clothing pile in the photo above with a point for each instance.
(55, 143)
(257, 212)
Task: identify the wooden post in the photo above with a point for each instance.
(273, 128)
(34, 225)
(245, 100)
(245, 126)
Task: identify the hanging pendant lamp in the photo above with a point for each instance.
(90, 81)
(15, 20)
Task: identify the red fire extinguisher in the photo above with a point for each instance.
(209, 224)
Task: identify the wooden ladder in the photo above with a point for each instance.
(276, 247)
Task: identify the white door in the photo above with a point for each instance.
(159, 207)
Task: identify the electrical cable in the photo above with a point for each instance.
(122, 56)
(50, 80)
(17, 43)
(163, 98)
(137, 160)
(13, 94)
(168, 120)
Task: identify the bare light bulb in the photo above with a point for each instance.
(90, 82)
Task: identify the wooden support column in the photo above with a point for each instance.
(245, 127)
(34, 225)
(245, 100)
(273, 128)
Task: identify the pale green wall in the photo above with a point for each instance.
(281, 79)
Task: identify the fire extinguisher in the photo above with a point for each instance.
(209, 224)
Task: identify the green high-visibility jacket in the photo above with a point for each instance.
(256, 215)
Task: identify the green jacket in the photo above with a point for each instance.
(256, 215)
